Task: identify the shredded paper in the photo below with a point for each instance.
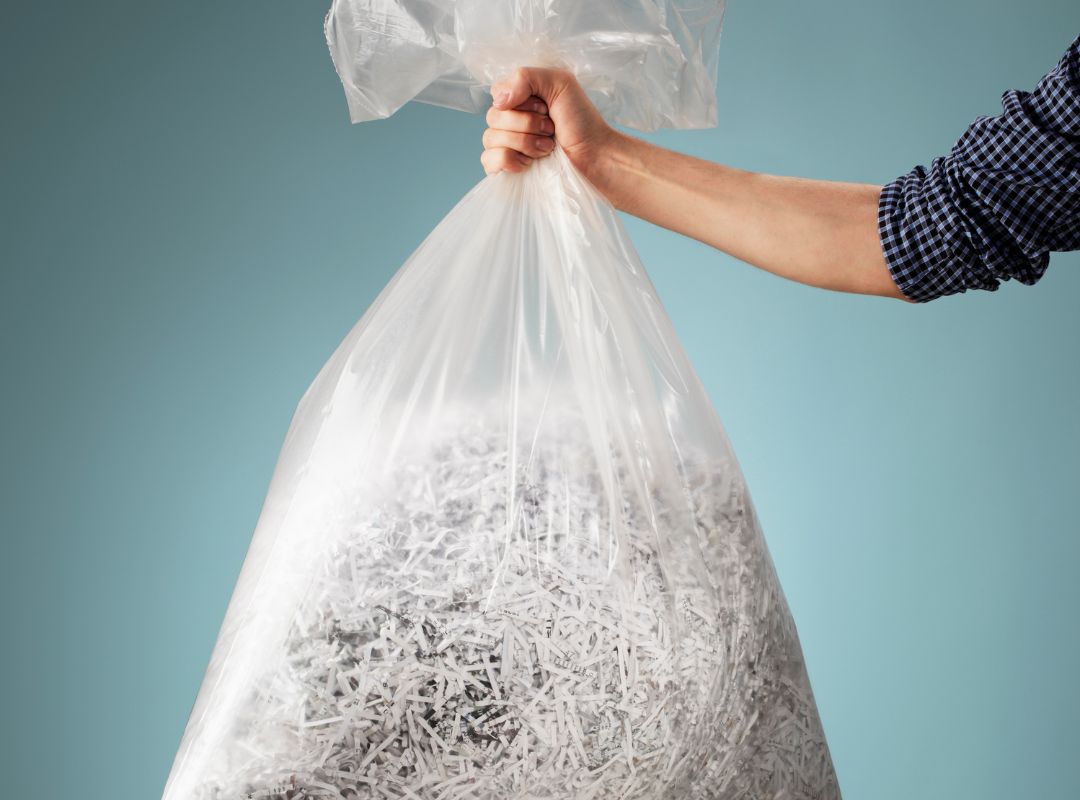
(479, 635)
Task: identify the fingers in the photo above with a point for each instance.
(520, 121)
(533, 104)
(547, 84)
(528, 144)
(516, 136)
(504, 159)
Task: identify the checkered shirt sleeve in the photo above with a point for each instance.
(994, 208)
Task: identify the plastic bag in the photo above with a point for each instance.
(645, 63)
(507, 551)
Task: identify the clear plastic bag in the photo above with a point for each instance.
(645, 63)
(507, 551)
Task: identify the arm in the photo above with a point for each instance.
(992, 210)
(820, 233)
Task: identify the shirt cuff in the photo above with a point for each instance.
(918, 241)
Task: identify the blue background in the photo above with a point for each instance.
(190, 225)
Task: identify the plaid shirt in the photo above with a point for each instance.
(994, 208)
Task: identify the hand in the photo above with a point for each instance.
(530, 110)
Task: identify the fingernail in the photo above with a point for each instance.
(547, 126)
(500, 97)
(541, 108)
(546, 143)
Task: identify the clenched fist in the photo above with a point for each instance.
(533, 108)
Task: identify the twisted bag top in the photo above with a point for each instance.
(646, 64)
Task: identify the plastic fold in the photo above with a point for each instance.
(507, 551)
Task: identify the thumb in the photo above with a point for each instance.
(547, 84)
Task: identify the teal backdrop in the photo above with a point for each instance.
(190, 225)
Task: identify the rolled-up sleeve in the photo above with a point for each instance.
(1006, 196)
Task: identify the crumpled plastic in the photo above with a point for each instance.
(645, 64)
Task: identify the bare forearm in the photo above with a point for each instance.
(820, 233)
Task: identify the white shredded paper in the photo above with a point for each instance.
(496, 629)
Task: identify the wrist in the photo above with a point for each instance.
(600, 161)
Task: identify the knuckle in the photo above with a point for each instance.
(564, 79)
(536, 144)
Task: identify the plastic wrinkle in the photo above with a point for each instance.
(507, 552)
(645, 64)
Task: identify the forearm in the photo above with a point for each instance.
(820, 233)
